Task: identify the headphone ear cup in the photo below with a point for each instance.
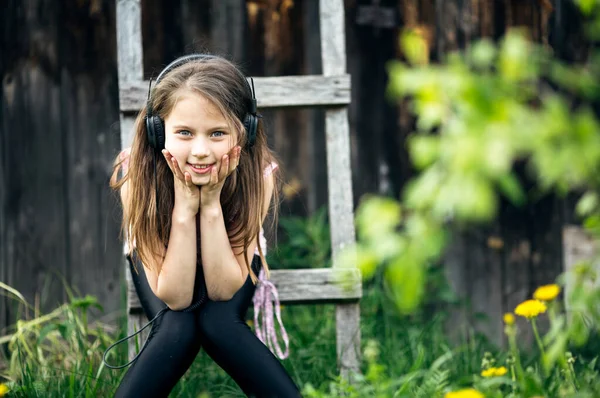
(150, 133)
(251, 126)
(155, 131)
(159, 129)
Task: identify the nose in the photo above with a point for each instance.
(200, 147)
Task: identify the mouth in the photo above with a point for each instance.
(201, 168)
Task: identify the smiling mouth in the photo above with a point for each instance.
(201, 169)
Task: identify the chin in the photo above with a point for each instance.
(201, 181)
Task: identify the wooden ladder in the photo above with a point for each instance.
(330, 90)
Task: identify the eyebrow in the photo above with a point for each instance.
(215, 128)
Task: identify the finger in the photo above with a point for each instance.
(214, 175)
(168, 159)
(178, 171)
(233, 162)
(224, 170)
(188, 179)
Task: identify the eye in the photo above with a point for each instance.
(183, 132)
(217, 134)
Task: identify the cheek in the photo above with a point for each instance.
(176, 149)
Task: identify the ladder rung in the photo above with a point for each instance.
(271, 92)
(320, 285)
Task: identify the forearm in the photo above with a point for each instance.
(222, 272)
(175, 285)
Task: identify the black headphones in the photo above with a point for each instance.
(155, 126)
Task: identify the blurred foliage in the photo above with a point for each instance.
(478, 114)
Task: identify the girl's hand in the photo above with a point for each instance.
(187, 195)
(211, 192)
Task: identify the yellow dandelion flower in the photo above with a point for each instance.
(546, 292)
(3, 390)
(494, 372)
(488, 372)
(466, 393)
(501, 371)
(530, 308)
(509, 318)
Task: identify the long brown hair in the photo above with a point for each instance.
(242, 196)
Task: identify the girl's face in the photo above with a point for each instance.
(197, 135)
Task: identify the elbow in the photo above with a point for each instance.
(174, 302)
(178, 306)
(219, 296)
(224, 293)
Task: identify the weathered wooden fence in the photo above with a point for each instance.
(60, 131)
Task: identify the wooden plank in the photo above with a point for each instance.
(129, 40)
(35, 240)
(341, 216)
(130, 68)
(271, 92)
(333, 37)
(546, 223)
(136, 319)
(90, 148)
(129, 56)
(339, 177)
(578, 247)
(301, 286)
(127, 129)
(347, 333)
(227, 21)
(485, 281)
(341, 205)
(8, 88)
(333, 54)
(517, 276)
(316, 191)
(455, 269)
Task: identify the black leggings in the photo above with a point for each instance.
(217, 326)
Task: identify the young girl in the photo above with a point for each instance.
(198, 186)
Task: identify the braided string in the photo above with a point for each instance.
(264, 298)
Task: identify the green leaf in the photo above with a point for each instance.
(414, 47)
(482, 53)
(424, 149)
(587, 204)
(586, 6)
(516, 58)
(377, 216)
(509, 185)
(405, 276)
(45, 331)
(467, 197)
(367, 262)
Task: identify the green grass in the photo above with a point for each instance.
(412, 352)
(62, 357)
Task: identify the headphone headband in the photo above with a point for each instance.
(180, 61)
